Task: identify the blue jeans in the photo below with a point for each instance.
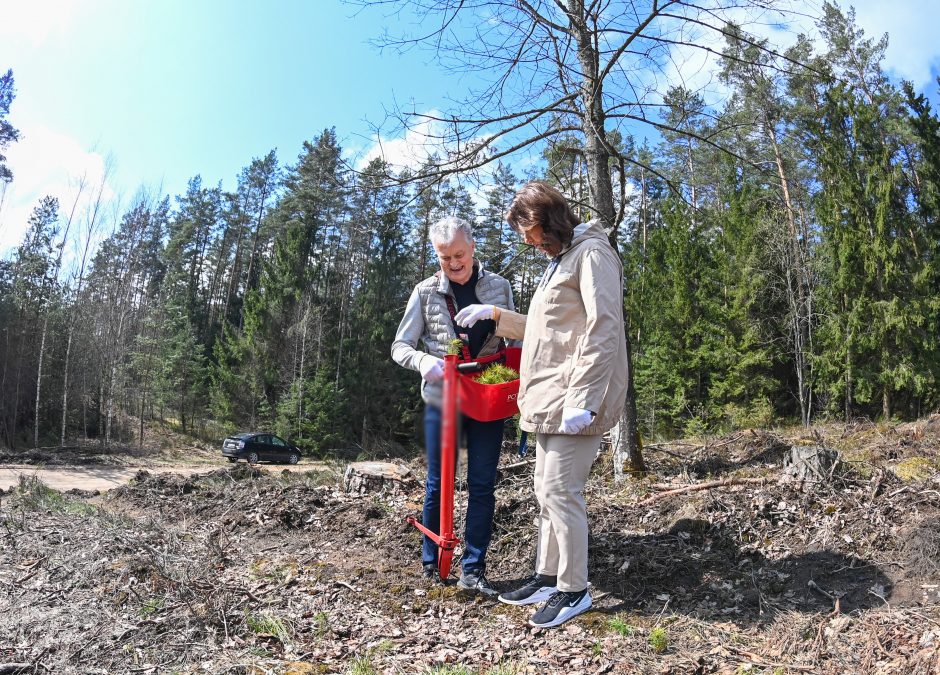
(484, 440)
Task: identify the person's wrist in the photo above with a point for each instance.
(496, 313)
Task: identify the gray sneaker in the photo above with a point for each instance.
(475, 581)
(537, 588)
(561, 607)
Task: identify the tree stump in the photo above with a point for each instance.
(365, 477)
(809, 465)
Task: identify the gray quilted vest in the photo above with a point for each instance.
(491, 289)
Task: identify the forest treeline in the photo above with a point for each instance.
(787, 273)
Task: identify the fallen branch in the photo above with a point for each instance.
(816, 587)
(657, 448)
(13, 668)
(725, 482)
(518, 464)
(758, 660)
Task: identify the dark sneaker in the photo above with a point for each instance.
(537, 588)
(475, 581)
(561, 607)
(430, 571)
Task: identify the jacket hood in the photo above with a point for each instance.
(589, 230)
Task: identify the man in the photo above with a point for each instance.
(429, 319)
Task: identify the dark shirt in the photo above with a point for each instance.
(465, 294)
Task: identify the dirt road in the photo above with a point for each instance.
(103, 477)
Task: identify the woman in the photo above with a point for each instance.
(573, 384)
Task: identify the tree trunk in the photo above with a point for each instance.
(300, 374)
(364, 477)
(65, 384)
(235, 273)
(42, 353)
(140, 441)
(628, 451)
(797, 284)
(16, 397)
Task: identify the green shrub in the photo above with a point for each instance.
(507, 668)
(618, 625)
(265, 624)
(657, 640)
(362, 665)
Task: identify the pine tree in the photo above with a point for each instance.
(8, 134)
(495, 240)
(32, 284)
(381, 394)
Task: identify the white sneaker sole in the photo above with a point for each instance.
(541, 595)
(566, 613)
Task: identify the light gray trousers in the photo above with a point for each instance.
(562, 465)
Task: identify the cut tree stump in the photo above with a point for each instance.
(809, 465)
(366, 477)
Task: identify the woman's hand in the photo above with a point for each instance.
(573, 420)
(470, 314)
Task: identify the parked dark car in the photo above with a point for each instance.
(259, 447)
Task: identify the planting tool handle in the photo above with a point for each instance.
(446, 541)
(448, 461)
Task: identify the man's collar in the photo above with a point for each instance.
(443, 283)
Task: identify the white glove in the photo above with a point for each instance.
(432, 369)
(470, 314)
(574, 420)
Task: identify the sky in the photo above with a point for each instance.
(153, 92)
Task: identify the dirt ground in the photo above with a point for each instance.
(244, 570)
(103, 477)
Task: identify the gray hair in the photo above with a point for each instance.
(445, 230)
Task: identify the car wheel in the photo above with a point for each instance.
(252, 457)
(232, 459)
(294, 458)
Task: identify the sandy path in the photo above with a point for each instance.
(101, 477)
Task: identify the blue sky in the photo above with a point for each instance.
(170, 89)
(163, 90)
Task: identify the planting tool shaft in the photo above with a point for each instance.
(444, 538)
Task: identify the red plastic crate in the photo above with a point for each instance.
(489, 402)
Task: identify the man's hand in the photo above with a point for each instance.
(574, 420)
(470, 314)
(432, 368)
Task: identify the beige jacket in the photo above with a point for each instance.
(574, 351)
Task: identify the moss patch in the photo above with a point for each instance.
(915, 469)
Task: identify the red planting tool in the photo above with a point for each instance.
(484, 402)
(446, 541)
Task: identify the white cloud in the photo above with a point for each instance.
(911, 25)
(411, 150)
(45, 162)
(913, 52)
(33, 22)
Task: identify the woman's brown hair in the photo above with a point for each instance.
(538, 203)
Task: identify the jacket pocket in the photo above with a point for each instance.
(554, 347)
